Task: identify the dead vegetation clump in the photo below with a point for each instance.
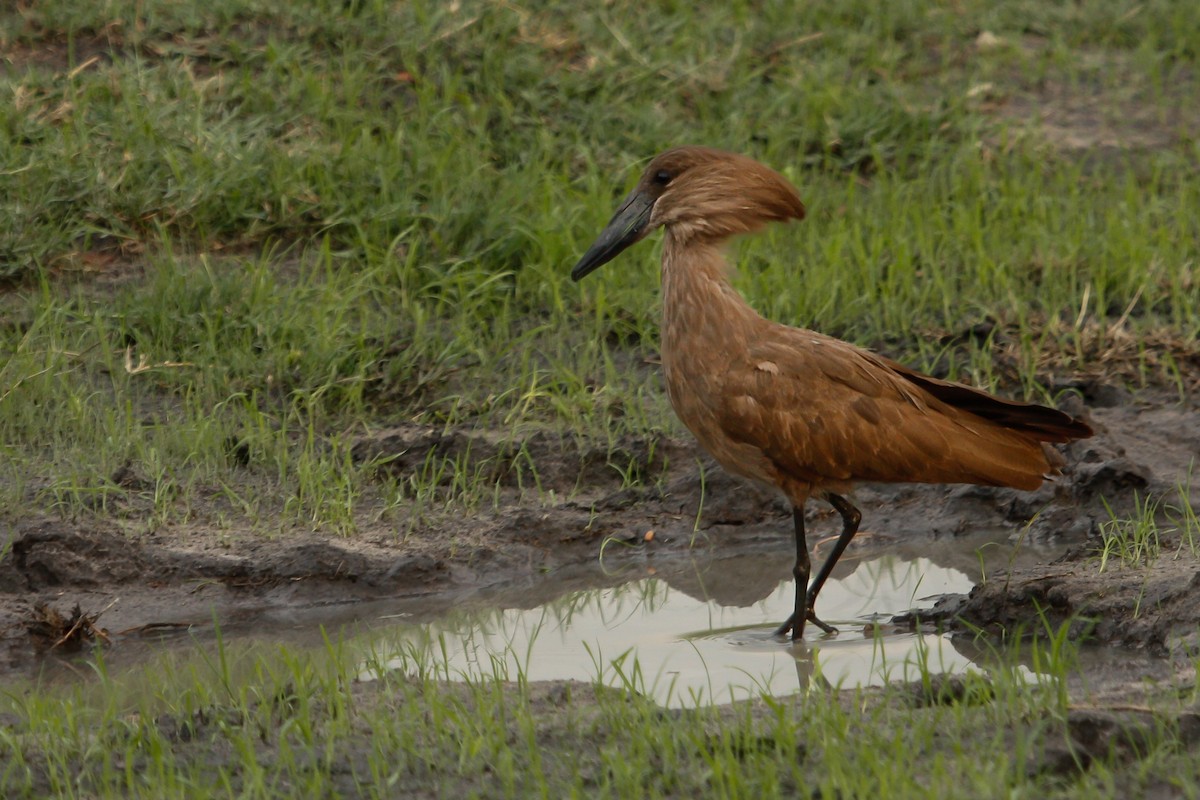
(50, 629)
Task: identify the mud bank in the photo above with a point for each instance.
(506, 555)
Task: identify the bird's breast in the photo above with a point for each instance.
(694, 377)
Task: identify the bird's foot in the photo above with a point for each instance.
(797, 631)
(824, 626)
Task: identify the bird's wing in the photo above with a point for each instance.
(823, 410)
(1043, 423)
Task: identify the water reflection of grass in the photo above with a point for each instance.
(551, 642)
(611, 606)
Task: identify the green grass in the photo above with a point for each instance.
(1134, 540)
(1141, 536)
(377, 716)
(308, 221)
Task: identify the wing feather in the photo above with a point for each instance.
(830, 412)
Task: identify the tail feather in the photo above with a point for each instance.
(1041, 423)
(1010, 442)
(1005, 458)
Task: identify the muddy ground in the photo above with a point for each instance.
(532, 547)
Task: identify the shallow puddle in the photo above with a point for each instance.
(683, 649)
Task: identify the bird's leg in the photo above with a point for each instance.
(800, 572)
(851, 516)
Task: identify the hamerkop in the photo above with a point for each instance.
(791, 409)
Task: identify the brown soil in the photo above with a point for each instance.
(531, 547)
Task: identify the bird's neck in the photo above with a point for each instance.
(703, 315)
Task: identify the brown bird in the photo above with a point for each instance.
(792, 409)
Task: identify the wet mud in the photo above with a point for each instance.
(574, 515)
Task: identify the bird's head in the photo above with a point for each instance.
(697, 193)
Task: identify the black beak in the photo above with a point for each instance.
(626, 227)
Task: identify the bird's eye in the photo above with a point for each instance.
(662, 177)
